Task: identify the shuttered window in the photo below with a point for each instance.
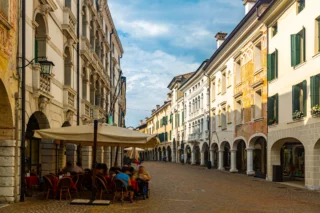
(298, 50)
(272, 61)
(314, 90)
(36, 51)
(301, 5)
(182, 117)
(299, 98)
(273, 110)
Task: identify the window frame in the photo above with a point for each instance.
(298, 48)
(296, 97)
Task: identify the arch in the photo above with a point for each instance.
(237, 140)
(253, 139)
(226, 156)
(204, 146)
(187, 154)
(289, 153)
(214, 155)
(169, 154)
(223, 143)
(6, 116)
(38, 120)
(196, 152)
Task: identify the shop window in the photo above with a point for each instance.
(298, 48)
(272, 61)
(299, 100)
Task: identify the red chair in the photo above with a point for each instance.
(64, 186)
(48, 187)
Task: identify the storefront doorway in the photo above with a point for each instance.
(292, 156)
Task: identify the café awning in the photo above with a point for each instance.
(107, 135)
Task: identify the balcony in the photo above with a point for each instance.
(41, 84)
(69, 98)
(85, 48)
(85, 110)
(69, 23)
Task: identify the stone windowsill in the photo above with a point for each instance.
(258, 119)
(316, 55)
(258, 71)
(229, 122)
(223, 129)
(229, 86)
(299, 65)
(297, 120)
(273, 80)
(5, 22)
(239, 125)
(273, 125)
(238, 84)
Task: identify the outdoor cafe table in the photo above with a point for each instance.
(55, 181)
(32, 181)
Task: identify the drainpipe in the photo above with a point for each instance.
(78, 63)
(111, 64)
(23, 100)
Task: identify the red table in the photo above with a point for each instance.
(32, 181)
(134, 185)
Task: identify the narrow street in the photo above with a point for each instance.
(182, 188)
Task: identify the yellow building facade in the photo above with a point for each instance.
(9, 143)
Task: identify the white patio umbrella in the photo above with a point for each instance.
(133, 152)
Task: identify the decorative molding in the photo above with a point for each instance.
(239, 94)
(257, 84)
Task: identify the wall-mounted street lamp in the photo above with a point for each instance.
(46, 69)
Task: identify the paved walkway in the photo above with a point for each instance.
(177, 188)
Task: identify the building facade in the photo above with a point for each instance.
(293, 91)
(9, 102)
(196, 99)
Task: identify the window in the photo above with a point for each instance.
(298, 48)
(219, 86)
(257, 57)
(213, 121)
(223, 119)
(189, 128)
(229, 78)
(272, 61)
(182, 117)
(229, 115)
(68, 3)
(299, 99)
(237, 68)
(213, 90)
(189, 108)
(315, 91)
(301, 5)
(4, 9)
(258, 104)
(239, 112)
(224, 83)
(201, 102)
(273, 106)
(317, 38)
(274, 29)
(201, 125)
(219, 119)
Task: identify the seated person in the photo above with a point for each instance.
(67, 168)
(78, 168)
(126, 179)
(143, 178)
(114, 168)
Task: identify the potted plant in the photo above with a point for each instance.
(272, 121)
(315, 111)
(297, 115)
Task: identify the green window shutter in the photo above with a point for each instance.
(317, 93)
(318, 35)
(276, 102)
(304, 88)
(293, 59)
(276, 64)
(36, 51)
(295, 98)
(269, 69)
(312, 90)
(182, 117)
(298, 49)
(270, 109)
(304, 43)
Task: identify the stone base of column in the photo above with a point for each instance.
(87, 157)
(233, 170)
(250, 173)
(221, 168)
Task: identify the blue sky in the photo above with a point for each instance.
(165, 38)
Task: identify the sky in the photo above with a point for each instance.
(165, 38)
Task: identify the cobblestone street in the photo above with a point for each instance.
(183, 188)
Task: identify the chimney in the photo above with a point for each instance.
(248, 5)
(220, 36)
(158, 106)
(141, 122)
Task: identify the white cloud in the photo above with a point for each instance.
(140, 28)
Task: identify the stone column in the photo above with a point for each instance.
(119, 160)
(193, 157)
(221, 160)
(113, 155)
(62, 159)
(107, 151)
(173, 156)
(86, 157)
(72, 153)
(8, 165)
(250, 161)
(48, 156)
(233, 161)
(100, 154)
(211, 157)
(202, 163)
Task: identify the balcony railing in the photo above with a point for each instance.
(69, 98)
